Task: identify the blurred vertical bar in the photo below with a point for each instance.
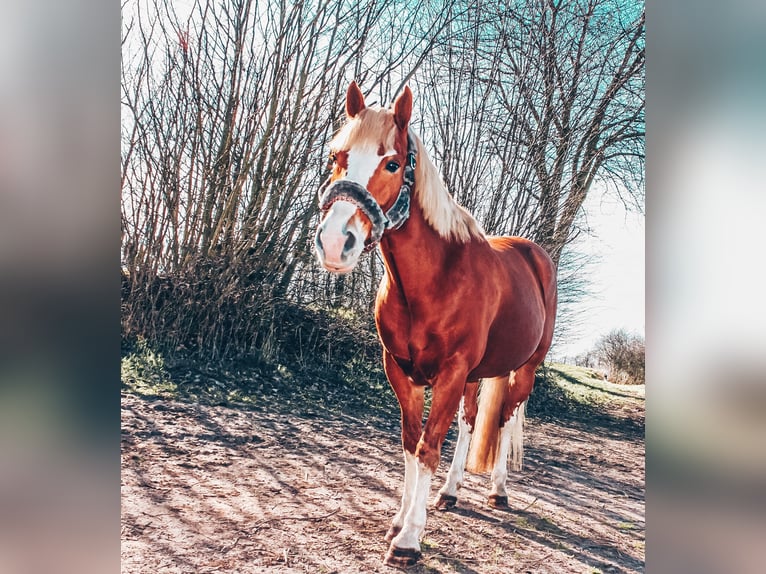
(59, 286)
(706, 327)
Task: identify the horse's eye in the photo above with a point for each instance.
(392, 166)
(331, 160)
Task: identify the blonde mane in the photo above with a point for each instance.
(450, 219)
(375, 127)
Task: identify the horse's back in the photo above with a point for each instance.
(513, 250)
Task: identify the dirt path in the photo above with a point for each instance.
(219, 489)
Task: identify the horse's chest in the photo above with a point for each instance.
(416, 348)
(394, 330)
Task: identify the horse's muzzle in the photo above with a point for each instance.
(339, 240)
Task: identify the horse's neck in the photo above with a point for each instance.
(415, 254)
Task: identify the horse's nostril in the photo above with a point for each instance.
(350, 241)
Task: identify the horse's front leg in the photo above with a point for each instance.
(447, 390)
(411, 404)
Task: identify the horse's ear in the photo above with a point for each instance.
(403, 108)
(354, 100)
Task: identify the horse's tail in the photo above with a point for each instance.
(486, 431)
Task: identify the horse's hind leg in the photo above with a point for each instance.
(466, 418)
(511, 441)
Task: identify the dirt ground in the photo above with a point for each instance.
(232, 489)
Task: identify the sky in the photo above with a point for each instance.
(617, 289)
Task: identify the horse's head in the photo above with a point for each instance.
(372, 161)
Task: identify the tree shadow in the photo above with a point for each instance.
(285, 479)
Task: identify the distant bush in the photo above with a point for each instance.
(623, 356)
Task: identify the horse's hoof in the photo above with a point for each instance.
(497, 501)
(401, 557)
(392, 532)
(446, 502)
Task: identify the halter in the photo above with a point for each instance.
(354, 193)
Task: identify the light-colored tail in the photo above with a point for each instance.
(486, 432)
(517, 436)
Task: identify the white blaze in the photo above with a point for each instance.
(333, 233)
(362, 164)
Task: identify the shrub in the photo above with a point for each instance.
(623, 355)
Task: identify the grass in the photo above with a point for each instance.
(524, 523)
(564, 390)
(586, 385)
(143, 371)
(353, 386)
(591, 378)
(577, 397)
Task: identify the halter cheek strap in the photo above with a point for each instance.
(399, 212)
(354, 193)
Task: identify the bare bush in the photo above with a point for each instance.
(623, 354)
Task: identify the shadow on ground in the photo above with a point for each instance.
(284, 482)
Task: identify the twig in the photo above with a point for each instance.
(156, 515)
(451, 559)
(224, 549)
(528, 506)
(282, 518)
(536, 562)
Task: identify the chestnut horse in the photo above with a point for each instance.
(454, 306)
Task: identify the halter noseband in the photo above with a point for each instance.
(354, 193)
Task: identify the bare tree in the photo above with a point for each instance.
(540, 100)
(228, 106)
(580, 82)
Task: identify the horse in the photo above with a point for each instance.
(454, 307)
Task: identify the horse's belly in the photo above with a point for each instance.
(508, 348)
(499, 362)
